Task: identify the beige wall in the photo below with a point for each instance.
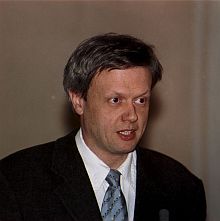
(36, 39)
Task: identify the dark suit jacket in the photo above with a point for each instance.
(49, 182)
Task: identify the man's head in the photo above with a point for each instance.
(109, 80)
(107, 52)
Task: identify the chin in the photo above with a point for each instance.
(128, 149)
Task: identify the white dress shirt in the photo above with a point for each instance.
(98, 170)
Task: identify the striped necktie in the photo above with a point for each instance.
(114, 205)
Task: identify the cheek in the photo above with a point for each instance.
(99, 118)
(143, 115)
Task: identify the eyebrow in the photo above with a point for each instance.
(116, 93)
(145, 93)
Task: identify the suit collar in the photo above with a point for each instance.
(74, 188)
(150, 197)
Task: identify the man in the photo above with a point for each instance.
(99, 172)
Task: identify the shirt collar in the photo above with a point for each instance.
(128, 168)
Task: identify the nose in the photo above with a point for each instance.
(130, 113)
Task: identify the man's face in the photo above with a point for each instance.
(114, 116)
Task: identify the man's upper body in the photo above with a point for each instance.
(50, 182)
(109, 80)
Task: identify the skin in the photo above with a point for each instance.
(114, 116)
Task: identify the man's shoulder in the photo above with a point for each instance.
(155, 156)
(33, 157)
(27, 158)
(165, 167)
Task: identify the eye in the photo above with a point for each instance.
(115, 100)
(141, 100)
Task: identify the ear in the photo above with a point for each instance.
(77, 102)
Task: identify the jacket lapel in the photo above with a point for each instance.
(150, 198)
(74, 189)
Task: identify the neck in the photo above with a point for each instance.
(114, 162)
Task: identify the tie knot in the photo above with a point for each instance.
(113, 178)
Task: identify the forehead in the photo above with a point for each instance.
(133, 79)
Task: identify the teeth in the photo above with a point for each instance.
(126, 133)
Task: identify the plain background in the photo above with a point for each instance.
(37, 37)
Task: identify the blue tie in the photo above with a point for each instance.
(114, 205)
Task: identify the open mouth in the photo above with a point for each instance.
(127, 135)
(126, 132)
